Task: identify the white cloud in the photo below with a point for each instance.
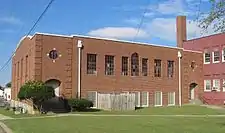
(167, 28)
(119, 32)
(170, 7)
(10, 20)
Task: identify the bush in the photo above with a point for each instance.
(36, 91)
(80, 104)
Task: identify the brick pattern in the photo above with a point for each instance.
(64, 68)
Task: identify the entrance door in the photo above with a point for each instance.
(192, 94)
(192, 91)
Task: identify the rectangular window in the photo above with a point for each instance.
(207, 85)
(216, 84)
(207, 58)
(124, 66)
(158, 98)
(91, 63)
(137, 99)
(109, 65)
(157, 68)
(93, 96)
(26, 69)
(216, 56)
(144, 98)
(171, 98)
(170, 67)
(223, 55)
(144, 67)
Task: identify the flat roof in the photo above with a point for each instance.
(108, 39)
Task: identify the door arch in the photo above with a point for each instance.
(192, 88)
(55, 84)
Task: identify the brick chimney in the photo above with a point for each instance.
(181, 30)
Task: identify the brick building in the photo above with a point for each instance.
(81, 65)
(213, 48)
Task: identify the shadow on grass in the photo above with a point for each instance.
(138, 108)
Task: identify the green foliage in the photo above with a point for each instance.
(215, 17)
(8, 85)
(36, 91)
(80, 104)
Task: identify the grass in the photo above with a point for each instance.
(13, 115)
(184, 110)
(175, 110)
(104, 124)
(128, 124)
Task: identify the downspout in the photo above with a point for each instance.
(179, 77)
(79, 46)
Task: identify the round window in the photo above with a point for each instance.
(53, 54)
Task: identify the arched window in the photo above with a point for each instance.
(134, 64)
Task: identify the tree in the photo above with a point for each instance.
(216, 17)
(37, 92)
(8, 85)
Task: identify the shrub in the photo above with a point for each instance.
(80, 104)
(36, 91)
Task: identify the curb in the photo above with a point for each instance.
(5, 128)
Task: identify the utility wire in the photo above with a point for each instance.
(141, 22)
(32, 28)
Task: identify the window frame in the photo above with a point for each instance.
(172, 69)
(204, 56)
(109, 70)
(125, 66)
(161, 99)
(147, 100)
(157, 68)
(174, 98)
(205, 84)
(223, 54)
(135, 62)
(144, 66)
(91, 64)
(214, 83)
(223, 85)
(213, 56)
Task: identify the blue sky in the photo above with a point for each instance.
(104, 18)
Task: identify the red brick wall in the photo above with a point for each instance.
(65, 67)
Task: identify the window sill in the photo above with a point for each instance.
(158, 105)
(171, 105)
(207, 90)
(216, 62)
(206, 63)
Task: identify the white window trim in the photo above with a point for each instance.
(174, 100)
(161, 99)
(96, 101)
(214, 84)
(205, 85)
(223, 84)
(139, 98)
(213, 58)
(147, 99)
(204, 59)
(223, 59)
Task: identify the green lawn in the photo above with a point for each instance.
(184, 110)
(118, 124)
